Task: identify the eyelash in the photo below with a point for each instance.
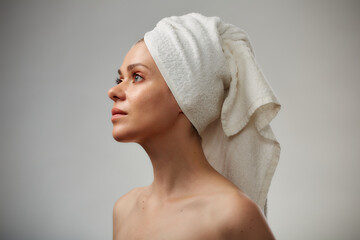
(118, 80)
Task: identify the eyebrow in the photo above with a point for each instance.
(131, 66)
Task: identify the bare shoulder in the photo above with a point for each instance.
(122, 208)
(241, 218)
(125, 201)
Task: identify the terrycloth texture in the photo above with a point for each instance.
(210, 68)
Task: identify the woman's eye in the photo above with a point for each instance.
(137, 77)
(118, 80)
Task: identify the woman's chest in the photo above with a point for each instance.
(179, 223)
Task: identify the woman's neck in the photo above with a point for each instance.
(179, 165)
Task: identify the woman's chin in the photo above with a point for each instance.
(122, 136)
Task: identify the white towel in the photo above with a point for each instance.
(210, 68)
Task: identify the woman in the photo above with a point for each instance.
(189, 198)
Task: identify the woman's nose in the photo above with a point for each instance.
(116, 93)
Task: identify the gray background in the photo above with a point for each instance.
(61, 171)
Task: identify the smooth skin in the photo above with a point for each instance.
(188, 199)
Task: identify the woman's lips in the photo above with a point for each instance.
(117, 113)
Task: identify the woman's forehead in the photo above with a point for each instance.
(139, 54)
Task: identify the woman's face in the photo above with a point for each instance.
(142, 93)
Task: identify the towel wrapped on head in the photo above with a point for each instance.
(211, 70)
